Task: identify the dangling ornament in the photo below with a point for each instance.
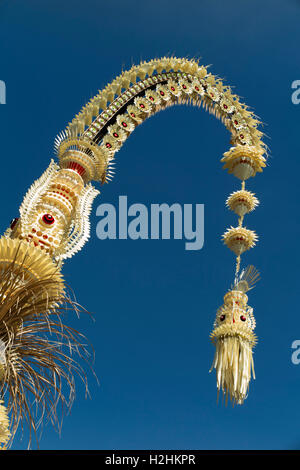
(239, 239)
(242, 202)
(233, 328)
(234, 339)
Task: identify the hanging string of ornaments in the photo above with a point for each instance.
(53, 225)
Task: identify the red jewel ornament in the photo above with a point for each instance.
(48, 219)
(222, 317)
(243, 318)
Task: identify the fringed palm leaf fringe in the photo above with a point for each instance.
(233, 362)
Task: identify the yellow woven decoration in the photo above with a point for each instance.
(33, 263)
(53, 225)
(234, 339)
(242, 202)
(4, 427)
(239, 239)
(244, 161)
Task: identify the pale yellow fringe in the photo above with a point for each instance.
(233, 362)
(4, 427)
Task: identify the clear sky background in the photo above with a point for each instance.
(153, 302)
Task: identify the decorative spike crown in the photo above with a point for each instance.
(242, 202)
(239, 239)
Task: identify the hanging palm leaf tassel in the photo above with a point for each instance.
(234, 340)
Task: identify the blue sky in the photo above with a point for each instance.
(153, 302)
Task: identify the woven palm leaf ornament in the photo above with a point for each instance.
(54, 224)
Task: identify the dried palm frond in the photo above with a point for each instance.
(41, 355)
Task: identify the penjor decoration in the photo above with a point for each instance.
(53, 224)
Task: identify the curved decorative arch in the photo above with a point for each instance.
(109, 118)
(54, 215)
